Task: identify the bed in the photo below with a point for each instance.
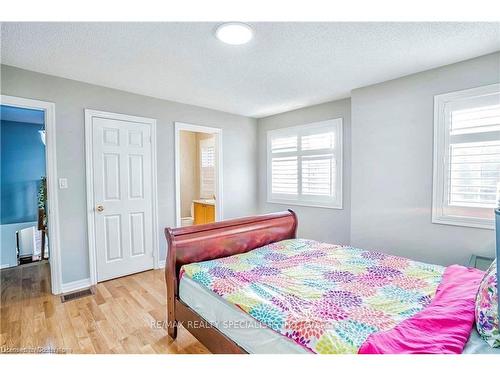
(250, 286)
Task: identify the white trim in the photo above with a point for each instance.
(219, 167)
(52, 186)
(7, 265)
(289, 203)
(162, 263)
(328, 203)
(75, 285)
(461, 221)
(154, 168)
(89, 167)
(440, 160)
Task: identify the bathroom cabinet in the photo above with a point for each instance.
(203, 213)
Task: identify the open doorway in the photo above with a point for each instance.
(198, 174)
(23, 180)
(29, 235)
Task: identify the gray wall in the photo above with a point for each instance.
(72, 97)
(323, 224)
(392, 146)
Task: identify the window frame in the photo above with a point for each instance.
(310, 128)
(442, 104)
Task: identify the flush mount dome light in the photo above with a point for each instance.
(234, 33)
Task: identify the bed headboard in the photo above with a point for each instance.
(224, 238)
(217, 240)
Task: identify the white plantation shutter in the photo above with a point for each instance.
(305, 164)
(476, 120)
(284, 169)
(284, 144)
(474, 174)
(284, 175)
(467, 132)
(208, 156)
(318, 175)
(318, 141)
(207, 168)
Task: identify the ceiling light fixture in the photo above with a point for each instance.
(234, 33)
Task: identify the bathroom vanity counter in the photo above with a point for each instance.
(205, 201)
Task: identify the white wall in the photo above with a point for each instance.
(72, 97)
(323, 224)
(392, 145)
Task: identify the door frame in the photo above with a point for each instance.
(49, 110)
(89, 168)
(219, 214)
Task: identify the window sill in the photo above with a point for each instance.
(304, 204)
(464, 222)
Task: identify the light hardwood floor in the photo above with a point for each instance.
(121, 317)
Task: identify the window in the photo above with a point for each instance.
(207, 168)
(304, 164)
(466, 157)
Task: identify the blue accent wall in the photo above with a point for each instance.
(22, 166)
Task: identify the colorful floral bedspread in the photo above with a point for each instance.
(327, 298)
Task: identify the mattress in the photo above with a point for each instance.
(234, 323)
(327, 298)
(256, 339)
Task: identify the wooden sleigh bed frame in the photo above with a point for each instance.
(211, 241)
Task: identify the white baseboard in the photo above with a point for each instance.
(75, 285)
(7, 265)
(161, 264)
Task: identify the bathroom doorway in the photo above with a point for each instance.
(198, 174)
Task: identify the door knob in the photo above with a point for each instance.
(99, 208)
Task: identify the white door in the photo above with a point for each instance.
(122, 177)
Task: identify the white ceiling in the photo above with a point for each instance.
(285, 66)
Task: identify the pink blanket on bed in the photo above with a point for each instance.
(442, 327)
